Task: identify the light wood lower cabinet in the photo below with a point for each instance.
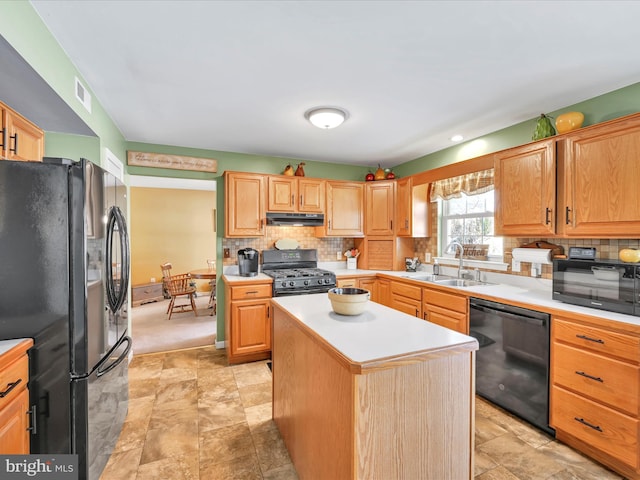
(247, 322)
(446, 309)
(406, 298)
(595, 382)
(14, 402)
(347, 282)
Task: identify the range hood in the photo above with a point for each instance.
(295, 219)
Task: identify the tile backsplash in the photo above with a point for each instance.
(327, 247)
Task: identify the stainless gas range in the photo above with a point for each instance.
(296, 272)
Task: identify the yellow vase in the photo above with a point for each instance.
(630, 255)
(569, 121)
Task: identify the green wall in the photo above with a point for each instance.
(22, 27)
(599, 109)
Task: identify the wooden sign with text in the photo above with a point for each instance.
(176, 162)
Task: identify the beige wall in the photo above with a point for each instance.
(174, 226)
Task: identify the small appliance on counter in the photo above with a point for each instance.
(248, 262)
(411, 264)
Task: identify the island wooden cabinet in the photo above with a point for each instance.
(295, 194)
(598, 180)
(446, 309)
(20, 139)
(14, 402)
(244, 204)
(247, 322)
(411, 209)
(404, 416)
(379, 207)
(595, 386)
(344, 210)
(525, 189)
(406, 298)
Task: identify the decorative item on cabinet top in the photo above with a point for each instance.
(569, 121)
(544, 128)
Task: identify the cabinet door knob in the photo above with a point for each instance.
(547, 220)
(566, 216)
(4, 138)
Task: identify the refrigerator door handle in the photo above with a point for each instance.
(117, 223)
(101, 371)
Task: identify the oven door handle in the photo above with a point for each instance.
(300, 292)
(513, 316)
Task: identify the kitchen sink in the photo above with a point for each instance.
(430, 278)
(461, 282)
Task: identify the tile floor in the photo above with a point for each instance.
(193, 417)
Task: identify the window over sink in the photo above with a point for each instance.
(469, 219)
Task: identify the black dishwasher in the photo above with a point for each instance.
(512, 364)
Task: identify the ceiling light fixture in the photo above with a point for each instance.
(326, 117)
(457, 138)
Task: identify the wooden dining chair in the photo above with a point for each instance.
(180, 286)
(166, 273)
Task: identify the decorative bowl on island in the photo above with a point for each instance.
(349, 301)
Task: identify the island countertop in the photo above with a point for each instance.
(378, 334)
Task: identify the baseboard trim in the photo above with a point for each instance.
(220, 345)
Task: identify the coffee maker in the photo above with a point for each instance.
(248, 262)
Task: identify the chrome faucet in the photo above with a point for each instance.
(461, 271)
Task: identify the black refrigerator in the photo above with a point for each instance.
(64, 277)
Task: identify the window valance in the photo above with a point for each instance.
(469, 184)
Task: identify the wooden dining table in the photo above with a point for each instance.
(207, 274)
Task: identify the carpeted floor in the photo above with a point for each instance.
(152, 331)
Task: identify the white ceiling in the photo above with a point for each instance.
(239, 75)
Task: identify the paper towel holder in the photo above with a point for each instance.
(556, 250)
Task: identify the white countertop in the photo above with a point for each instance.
(378, 333)
(6, 345)
(535, 292)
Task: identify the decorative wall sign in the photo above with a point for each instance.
(176, 162)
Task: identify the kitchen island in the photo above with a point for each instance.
(377, 395)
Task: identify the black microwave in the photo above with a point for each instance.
(605, 284)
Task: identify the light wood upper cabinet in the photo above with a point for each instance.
(311, 195)
(525, 189)
(295, 194)
(19, 138)
(599, 170)
(379, 207)
(411, 209)
(345, 210)
(244, 204)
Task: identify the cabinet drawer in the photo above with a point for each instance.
(17, 371)
(445, 300)
(611, 432)
(405, 290)
(446, 318)
(251, 291)
(597, 339)
(347, 282)
(603, 379)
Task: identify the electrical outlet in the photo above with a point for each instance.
(338, 255)
(227, 253)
